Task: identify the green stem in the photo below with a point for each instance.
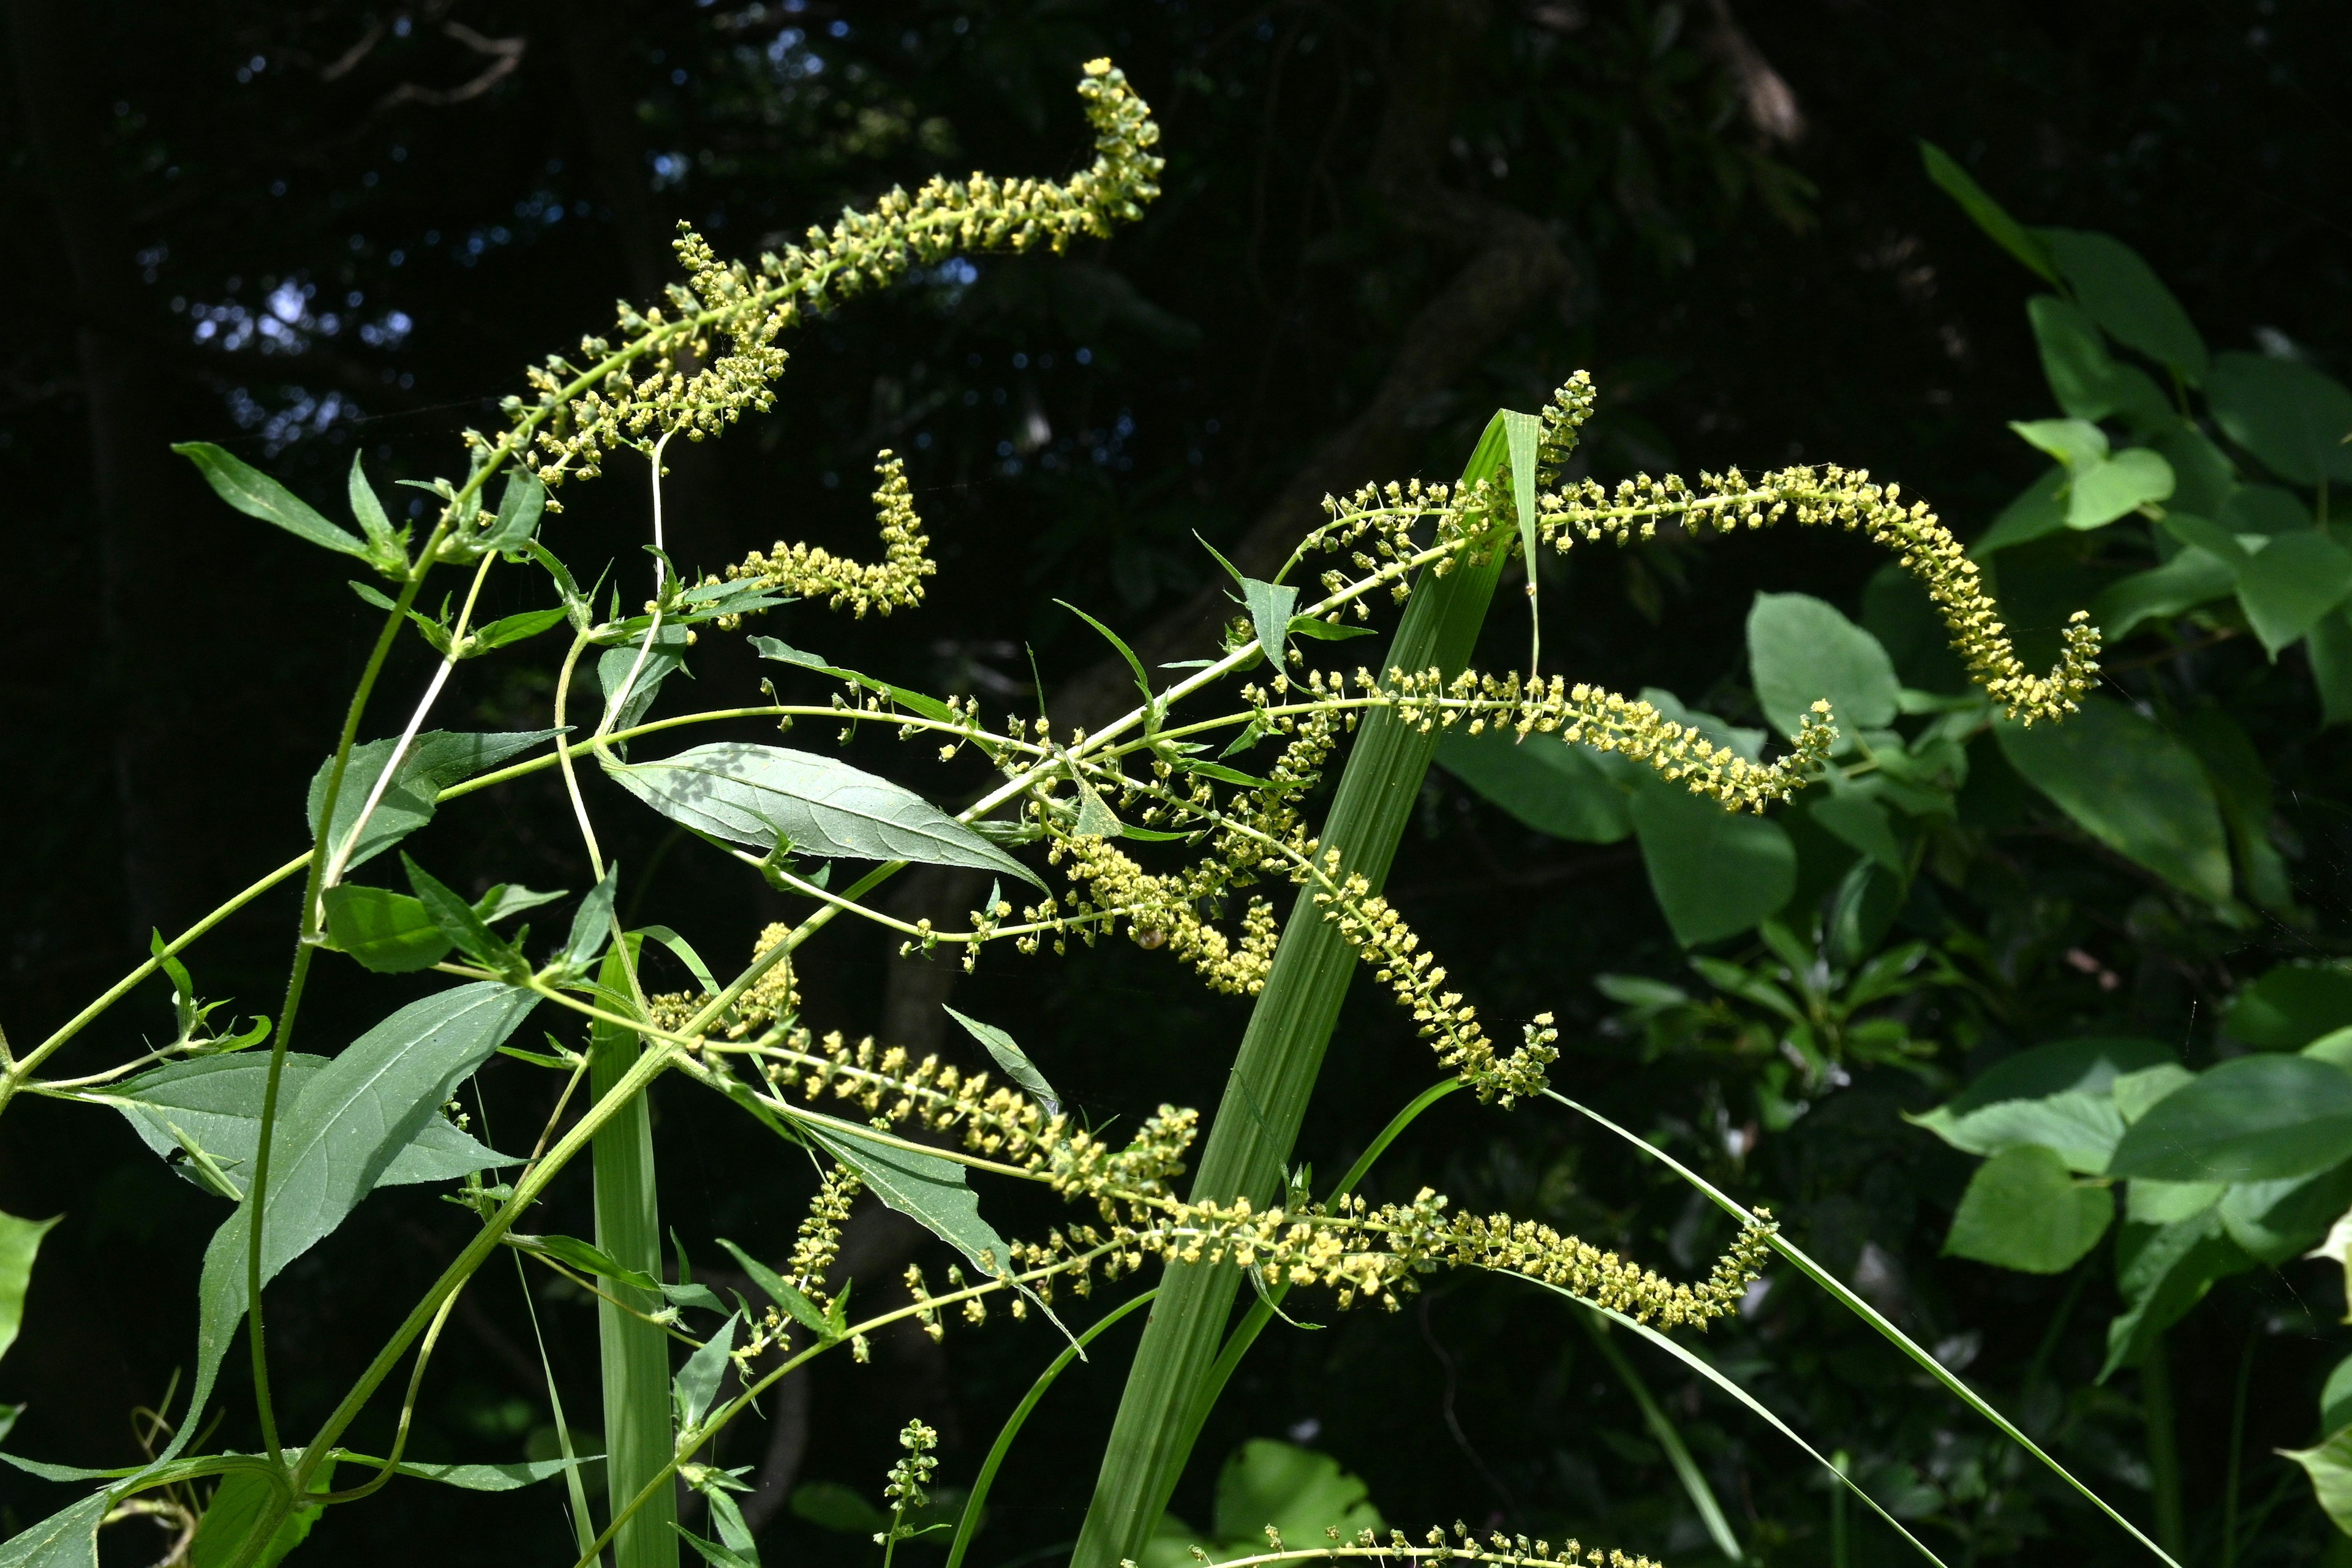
(1841, 1531)
(2237, 1448)
(2163, 1445)
(634, 1353)
(1678, 1453)
(1281, 1054)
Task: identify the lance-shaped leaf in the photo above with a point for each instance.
(334, 1141)
(458, 922)
(434, 760)
(256, 494)
(20, 1242)
(769, 797)
(591, 923)
(780, 1291)
(1008, 1055)
(696, 1382)
(925, 1188)
(67, 1539)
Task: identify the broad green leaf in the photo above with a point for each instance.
(336, 1140)
(2291, 1006)
(2116, 488)
(2252, 1119)
(696, 1384)
(2329, 1466)
(1714, 872)
(2024, 1210)
(1095, 819)
(1300, 1492)
(1006, 1052)
(2087, 381)
(2334, 1047)
(2058, 1097)
(216, 1103)
(2039, 510)
(2138, 1093)
(386, 931)
(2123, 294)
(1862, 823)
(1552, 786)
(2288, 414)
(2330, 647)
(2263, 509)
(779, 1291)
(2289, 584)
(2202, 473)
(2026, 245)
(2336, 1398)
(2132, 786)
(2077, 443)
(2275, 1220)
(1801, 650)
(2215, 539)
(242, 1500)
(435, 760)
(2193, 578)
(617, 667)
(2147, 1202)
(1270, 607)
(829, 1505)
(256, 494)
(770, 797)
(2163, 1272)
(66, 1539)
(20, 1243)
(521, 502)
(928, 1190)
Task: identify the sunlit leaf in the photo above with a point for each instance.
(1006, 1052)
(1800, 650)
(256, 494)
(2024, 1210)
(2251, 1119)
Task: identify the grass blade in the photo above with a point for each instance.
(1871, 1315)
(1662, 1427)
(1257, 1121)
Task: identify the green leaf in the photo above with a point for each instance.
(2241, 784)
(2264, 509)
(2024, 1210)
(2275, 1220)
(2289, 416)
(1524, 432)
(502, 1478)
(2336, 1398)
(435, 760)
(66, 1539)
(336, 1140)
(386, 931)
(2077, 443)
(369, 513)
(2331, 664)
(684, 953)
(20, 1243)
(2163, 1272)
(2058, 1097)
(591, 923)
(458, 922)
(508, 630)
(215, 1102)
(913, 701)
(256, 494)
(232, 1520)
(1008, 1055)
(1800, 650)
(1552, 786)
(521, 502)
(588, 1258)
(1300, 1492)
(780, 1291)
(928, 1190)
(2290, 1006)
(1096, 818)
(2195, 577)
(2123, 294)
(664, 656)
(1270, 605)
(712, 1553)
(1714, 872)
(1142, 681)
(2118, 487)
(2138, 1093)
(696, 1384)
(2026, 245)
(2087, 380)
(2252, 1119)
(2039, 510)
(2130, 785)
(2202, 473)
(829, 1505)
(1321, 630)
(2289, 584)
(2329, 1466)
(768, 796)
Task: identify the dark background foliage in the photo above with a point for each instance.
(307, 230)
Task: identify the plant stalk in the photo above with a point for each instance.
(2163, 1445)
(1257, 1121)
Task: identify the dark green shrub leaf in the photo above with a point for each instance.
(2195, 577)
(2123, 294)
(768, 796)
(256, 494)
(2290, 1006)
(1716, 873)
(1299, 1492)
(2288, 414)
(2132, 786)
(2264, 509)
(479, 1478)
(1801, 650)
(1862, 823)
(2289, 584)
(458, 921)
(2275, 1220)
(2331, 664)
(1007, 1054)
(1550, 785)
(2336, 1398)
(2038, 512)
(2253, 1119)
(2164, 1270)
(2057, 1097)
(2087, 380)
(2024, 1210)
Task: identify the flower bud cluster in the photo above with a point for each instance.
(1500, 1551)
(893, 582)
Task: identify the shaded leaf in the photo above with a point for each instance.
(588, 1258)
(2024, 1210)
(2087, 381)
(1300, 1492)
(2039, 510)
(1714, 872)
(2252, 1119)
(459, 923)
(2163, 1272)
(2195, 577)
(1800, 650)
(2289, 584)
(924, 1187)
(2117, 486)
(2122, 292)
(829, 1505)
(2290, 1006)
(435, 760)
(2058, 1097)
(663, 657)
(913, 701)
(2329, 1466)
(768, 796)
(2026, 245)
(2288, 414)
(2132, 786)
(20, 1243)
(1552, 786)
(696, 1384)
(2275, 1220)
(386, 931)
(591, 923)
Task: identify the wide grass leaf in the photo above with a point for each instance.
(769, 796)
(2253, 1119)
